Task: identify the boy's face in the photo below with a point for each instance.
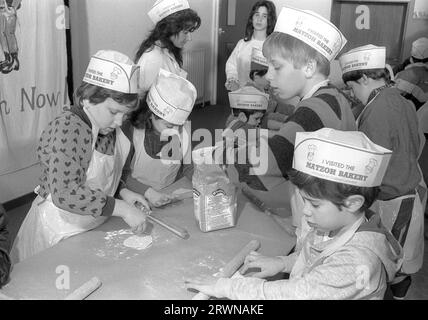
(323, 215)
(360, 90)
(286, 81)
(255, 118)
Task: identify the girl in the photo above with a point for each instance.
(163, 47)
(155, 131)
(82, 153)
(260, 24)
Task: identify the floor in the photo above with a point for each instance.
(215, 116)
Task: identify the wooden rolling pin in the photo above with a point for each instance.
(85, 290)
(233, 265)
(182, 233)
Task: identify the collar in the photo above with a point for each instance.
(315, 89)
(416, 64)
(376, 91)
(78, 111)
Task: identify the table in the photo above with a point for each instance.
(157, 272)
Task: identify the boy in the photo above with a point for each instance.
(390, 120)
(5, 263)
(413, 80)
(298, 52)
(347, 253)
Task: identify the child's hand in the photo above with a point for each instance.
(204, 284)
(232, 84)
(269, 266)
(158, 199)
(132, 197)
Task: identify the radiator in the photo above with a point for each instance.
(194, 65)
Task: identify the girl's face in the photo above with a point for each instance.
(285, 81)
(108, 115)
(160, 124)
(323, 215)
(260, 19)
(179, 40)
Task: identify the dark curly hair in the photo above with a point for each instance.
(187, 20)
(271, 19)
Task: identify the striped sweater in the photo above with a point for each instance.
(328, 107)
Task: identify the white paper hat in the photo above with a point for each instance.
(312, 29)
(258, 60)
(248, 98)
(363, 58)
(420, 48)
(163, 8)
(171, 97)
(112, 70)
(347, 157)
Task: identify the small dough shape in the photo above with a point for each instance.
(138, 242)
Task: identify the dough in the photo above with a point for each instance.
(138, 242)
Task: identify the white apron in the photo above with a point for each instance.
(155, 173)
(46, 224)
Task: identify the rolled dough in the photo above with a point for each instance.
(138, 242)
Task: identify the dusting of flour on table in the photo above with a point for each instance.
(138, 242)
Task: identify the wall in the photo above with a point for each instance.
(122, 26)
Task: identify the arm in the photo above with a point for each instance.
(5, 263)
(232, 66)
(150, 63)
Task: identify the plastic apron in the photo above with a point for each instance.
(155, 173)
(46, 224)
(413, 247)
(309, 258)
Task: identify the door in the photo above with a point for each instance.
(233, 16)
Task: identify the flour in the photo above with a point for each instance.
(138, 243)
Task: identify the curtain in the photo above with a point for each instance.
(33, 65)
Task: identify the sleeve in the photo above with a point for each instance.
(71, 145)
(5, 263)
(150, 63)
(344, 275)
(232, 62)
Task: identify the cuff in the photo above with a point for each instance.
(109, 207)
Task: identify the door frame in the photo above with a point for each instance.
(214, 40)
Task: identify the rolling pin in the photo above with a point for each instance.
(233, 265)
(84, 290)
(182, 233)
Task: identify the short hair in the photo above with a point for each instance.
(171, 25)
(257, 72)
(294, 50)
(271, 18)
(375, 74)
(334, 192)
(140, 117)
(95, 95)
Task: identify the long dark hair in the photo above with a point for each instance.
(171, 25)
(271, 19)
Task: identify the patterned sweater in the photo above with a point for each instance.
(64, 152)
(5, 263)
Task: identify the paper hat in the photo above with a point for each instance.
(312, 29)
(347, 157)
(171, 97)
(163, 8)
(363, 58)
(112, 70)
(258, 60)
(248, 98)
(420, 48)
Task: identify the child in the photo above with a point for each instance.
(260, 24)
(5, 263)
(298, 66)
(167, 106)
(82, 153)
(390, 120)
(413, 80)
(347, 253)
(276, 113)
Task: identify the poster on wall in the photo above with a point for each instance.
(33, 70)
(421, 9)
